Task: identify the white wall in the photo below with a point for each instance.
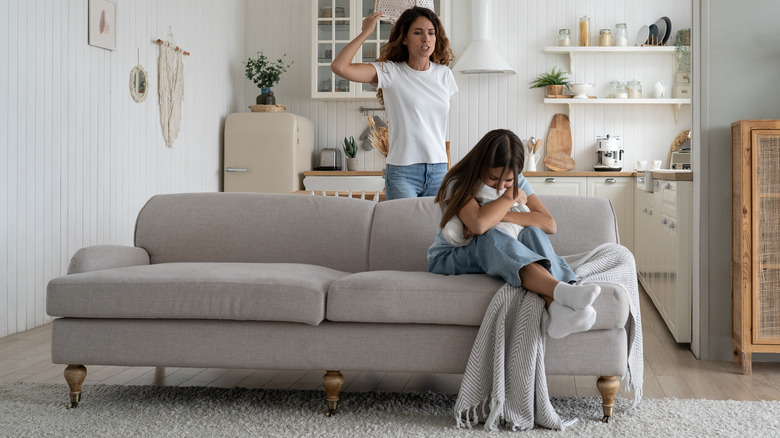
(521, 30)
(78, 157)
(738, 68)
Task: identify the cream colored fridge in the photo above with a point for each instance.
(267, 152)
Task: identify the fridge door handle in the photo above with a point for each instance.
(236, 169)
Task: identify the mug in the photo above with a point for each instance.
(530, 162)
(640, 165)
(608, 161)
(656, 164)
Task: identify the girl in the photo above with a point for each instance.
(415, 87)
(528, 260)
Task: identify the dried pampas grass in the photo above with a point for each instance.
(379, 137)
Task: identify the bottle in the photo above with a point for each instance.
(621, 35)
(605, 38)
(634, 89)
(564, 37)
(585, 31)
(621, 92)
(613, 86)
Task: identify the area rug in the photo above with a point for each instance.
(38, 410)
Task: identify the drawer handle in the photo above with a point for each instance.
(236, 169)
(668, 186)
(610, 180)
(671, 225)
(549, 180)
(664, 221)
(650, 212)
(644, 211)
(640, 180)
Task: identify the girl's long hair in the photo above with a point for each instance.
(396, 51)
(498, 148)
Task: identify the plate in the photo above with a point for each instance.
(652, 38)
(668, 30)
(642, 35)
(661, 24)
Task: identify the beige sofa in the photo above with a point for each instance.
(264, 281)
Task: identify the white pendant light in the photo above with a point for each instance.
(482, 56)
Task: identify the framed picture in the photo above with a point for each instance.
(102, 24)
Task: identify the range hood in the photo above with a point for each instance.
(482, 56)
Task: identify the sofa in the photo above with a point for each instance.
(296, 282)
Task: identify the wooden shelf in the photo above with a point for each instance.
(676, 103)
(598, 49)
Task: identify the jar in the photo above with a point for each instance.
(621, 91)
(585, 31)
(564, 37)
(634, 89)
(612, 90)
(621, 35)
(605, 38)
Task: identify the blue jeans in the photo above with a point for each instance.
(414, 180)
(498, 254)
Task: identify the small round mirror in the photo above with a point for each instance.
(139, 83)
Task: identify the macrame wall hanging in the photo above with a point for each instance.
(171, 87)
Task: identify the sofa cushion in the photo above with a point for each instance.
(401, 233)
(425, 298)
(232, 291)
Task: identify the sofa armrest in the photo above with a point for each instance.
(98, 257)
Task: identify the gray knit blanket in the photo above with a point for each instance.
(505, 380)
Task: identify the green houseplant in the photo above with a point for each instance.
(350, 150)
(265, 73)
(554, 81)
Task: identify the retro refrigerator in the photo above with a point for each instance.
(267, 152)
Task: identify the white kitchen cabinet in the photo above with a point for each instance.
(619, 190)
(335, 23)
(663, 235)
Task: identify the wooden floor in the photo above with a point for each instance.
(670, 371)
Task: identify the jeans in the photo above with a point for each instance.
(414, 180)
(498, 254)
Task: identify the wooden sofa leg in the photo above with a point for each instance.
(608, 387)
(75, 375)
(332, 381)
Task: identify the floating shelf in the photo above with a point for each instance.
(676, 103)
(611, 49)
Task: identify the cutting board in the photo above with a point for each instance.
(559, 143)
(559, 161)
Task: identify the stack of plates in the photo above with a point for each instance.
(656, 34)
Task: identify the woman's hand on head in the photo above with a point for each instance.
(369, 23)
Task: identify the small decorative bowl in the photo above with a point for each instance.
(581, 91)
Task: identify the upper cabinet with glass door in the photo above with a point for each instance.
(336, 22)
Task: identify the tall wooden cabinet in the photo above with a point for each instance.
(755, 238)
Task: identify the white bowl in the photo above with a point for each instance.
(581, 91)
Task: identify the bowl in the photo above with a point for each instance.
(581, 90)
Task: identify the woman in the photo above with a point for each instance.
(415, 87)
(529, 259)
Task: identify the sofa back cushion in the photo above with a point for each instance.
(403, 230)
(256, 227)
(583, 223)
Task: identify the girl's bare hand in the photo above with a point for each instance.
(467, 233)
(521, 197)
(369, 23)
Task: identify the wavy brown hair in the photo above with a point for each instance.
(498, 148)
(396, 51)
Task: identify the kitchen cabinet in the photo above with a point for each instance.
(663, 237)
(619, 190)
(755, 239)
(335, 24)
(591, 51)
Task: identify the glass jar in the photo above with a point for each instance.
(605, 38)
(621, 35)
(634, 89)
(612, 90)
(564, 37)
(585, 31)
(621, 91)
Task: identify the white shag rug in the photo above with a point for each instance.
(38, 410)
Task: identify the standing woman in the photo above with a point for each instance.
(415, 86)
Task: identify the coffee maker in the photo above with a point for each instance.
(609, 154)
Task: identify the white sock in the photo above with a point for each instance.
(565, 321)
(576, 296)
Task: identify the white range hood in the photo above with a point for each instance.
(482, 56)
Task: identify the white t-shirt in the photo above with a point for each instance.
(417, 104)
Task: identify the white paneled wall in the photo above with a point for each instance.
(78, 157)
(521, 29)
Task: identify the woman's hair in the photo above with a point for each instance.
(498, 148)
(395, 50)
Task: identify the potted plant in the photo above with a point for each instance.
(350, 150)
(265, 74)
(554, 81)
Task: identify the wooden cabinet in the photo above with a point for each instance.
(755, 239)
(335, 24)
(619, 190)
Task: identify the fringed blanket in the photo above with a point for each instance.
(505, 378)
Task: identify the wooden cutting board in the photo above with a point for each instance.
(559, 161)
(559, 136)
